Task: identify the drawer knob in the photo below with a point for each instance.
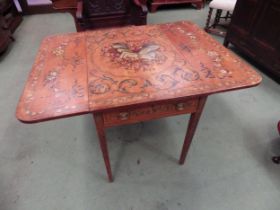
(123, 115)
(180, 106)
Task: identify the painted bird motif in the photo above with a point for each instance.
(147, 52)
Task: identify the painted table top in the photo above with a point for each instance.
(105, 69)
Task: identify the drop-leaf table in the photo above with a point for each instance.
(131, 74)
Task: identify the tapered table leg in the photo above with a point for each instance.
(103, 143)
(191, 129)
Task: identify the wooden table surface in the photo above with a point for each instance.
(88, 72)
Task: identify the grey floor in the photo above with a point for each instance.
(57, 165)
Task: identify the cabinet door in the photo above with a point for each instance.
(266, 31)
(105, 7)
(245, 13)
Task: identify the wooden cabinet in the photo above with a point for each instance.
(5, 35)
(93, 14)
(30, 7)
(9, 20)
(255, 30)
(154, 4)
(111, 13)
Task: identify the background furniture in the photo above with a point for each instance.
(255, 30)
(5, 35)
(67, 6)
(276, 159)
(221, 6)
(91, 14)
(154, 4)
(9, 20)
(108, 13)
(30, 7)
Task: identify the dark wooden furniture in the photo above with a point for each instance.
(276, 159)
(68, 6)
(92, 14)
(40, 8)
(131, 74)
(154, 4)
(255, 30)
(9, 21)
(5, 35)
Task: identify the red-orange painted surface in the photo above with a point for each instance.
(108, 69)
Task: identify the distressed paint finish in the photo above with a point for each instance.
(106, 69)
(57, 84)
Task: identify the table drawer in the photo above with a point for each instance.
(150, 112)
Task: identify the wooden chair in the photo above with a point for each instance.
(219, 5)
(92, 14)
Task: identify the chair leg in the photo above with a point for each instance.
(227, 15)
(207, 25)
(217, 17)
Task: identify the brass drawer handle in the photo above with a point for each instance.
(123, 116)
(180, 106)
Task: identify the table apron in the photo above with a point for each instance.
(149, 112)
